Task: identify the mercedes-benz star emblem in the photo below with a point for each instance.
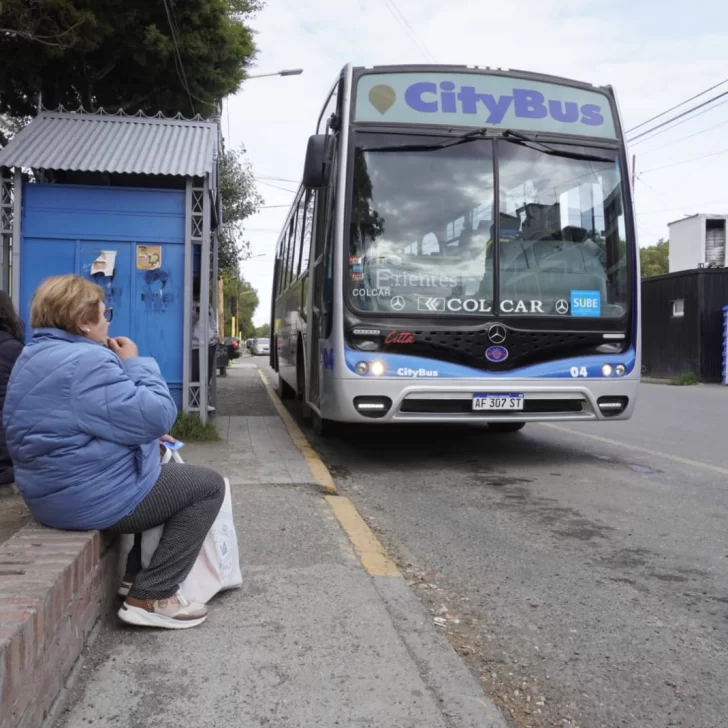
(397, 303)
(562, 307)
(497, 334)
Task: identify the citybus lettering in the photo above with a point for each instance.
(427, 98)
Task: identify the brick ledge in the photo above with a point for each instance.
(54, 585)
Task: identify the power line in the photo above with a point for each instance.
(277, 187)
(680, 123)
(677, 106)
(280, 179)
(687, 161)
(679, 116)
(177, 55)
(399, 16)
(684, 138)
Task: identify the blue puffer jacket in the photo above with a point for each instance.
(82, 429)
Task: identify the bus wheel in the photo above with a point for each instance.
(285, 390)
(322, 427)
(301, 380)
(504, 427)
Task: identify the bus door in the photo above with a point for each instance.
(322, 281)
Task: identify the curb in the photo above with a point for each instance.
(54, 585)
(461, 697)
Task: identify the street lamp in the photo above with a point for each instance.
(284, 72)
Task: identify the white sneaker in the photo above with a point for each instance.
(173, 613)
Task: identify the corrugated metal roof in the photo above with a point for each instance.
(110, 143)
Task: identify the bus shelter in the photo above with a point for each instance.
(133, 203)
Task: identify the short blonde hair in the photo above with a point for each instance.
(66, 302)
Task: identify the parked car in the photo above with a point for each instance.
(260, 347)
(235, 351)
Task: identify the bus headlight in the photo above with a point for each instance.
(621, 369)
(607, 370)
(377, 368)
(362, 368)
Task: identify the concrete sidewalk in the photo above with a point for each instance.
(311, 639)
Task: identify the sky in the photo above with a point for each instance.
(654, 54)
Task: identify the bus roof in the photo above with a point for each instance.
(485, 70)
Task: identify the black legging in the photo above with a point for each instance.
(211, 356)
(185, 500)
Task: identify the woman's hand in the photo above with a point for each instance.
(123, 347)
(162, 440)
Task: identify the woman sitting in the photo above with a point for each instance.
(84, 416)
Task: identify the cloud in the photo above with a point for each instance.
(655, 55)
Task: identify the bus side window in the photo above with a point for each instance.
(307, 226)
(330, 240)
(296, 225)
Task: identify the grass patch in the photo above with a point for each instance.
(686, 380)
(189, 428)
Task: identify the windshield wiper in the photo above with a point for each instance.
(468, 136)
(516, 137)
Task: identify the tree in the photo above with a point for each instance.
(654, 260)
(247, 297)
(240, 200)
(263, 332)
(167, 55)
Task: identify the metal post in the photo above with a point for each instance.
(204, 298)
(17, 232)
(7, 227)
(215, 304)
(187, 297)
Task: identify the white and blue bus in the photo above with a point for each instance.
(462, 249)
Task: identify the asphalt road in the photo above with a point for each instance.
(582, 571)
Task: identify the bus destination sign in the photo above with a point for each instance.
(474, 99)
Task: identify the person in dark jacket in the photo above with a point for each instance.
(84, 416)
(11, 344)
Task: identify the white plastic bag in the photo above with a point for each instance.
(171, 456)
(217, 568)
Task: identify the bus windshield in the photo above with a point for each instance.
(421, 234)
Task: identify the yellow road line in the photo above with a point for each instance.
(319, 471)
(367, 546)
(644, 450)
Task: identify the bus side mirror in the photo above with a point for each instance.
(315, 169)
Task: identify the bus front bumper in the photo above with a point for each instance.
(426, 401)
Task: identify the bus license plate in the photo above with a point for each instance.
(498, 402)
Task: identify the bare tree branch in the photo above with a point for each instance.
(48, 40)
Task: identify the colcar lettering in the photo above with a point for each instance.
(481, 305)
(371, 292)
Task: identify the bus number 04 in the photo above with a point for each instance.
(579, 372)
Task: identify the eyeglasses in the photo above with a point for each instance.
(109, 314)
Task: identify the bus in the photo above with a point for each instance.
(462, 248)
